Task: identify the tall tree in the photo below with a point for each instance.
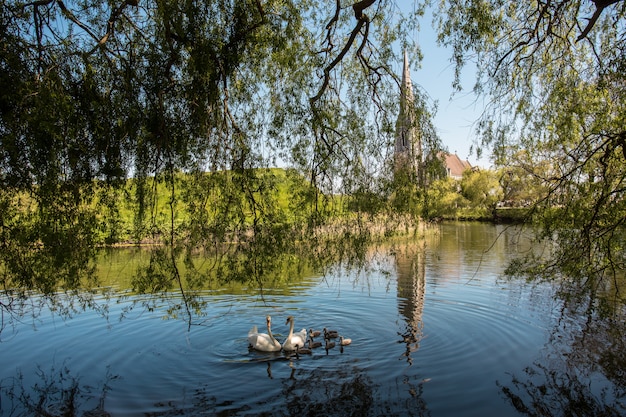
(97, 93)
(555, 73)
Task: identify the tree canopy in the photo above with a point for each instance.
(554, 71)
(173, 111)
(163, 92)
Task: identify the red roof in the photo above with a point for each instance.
(455, 166)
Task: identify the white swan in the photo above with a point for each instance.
(262, 341)
(294, 339)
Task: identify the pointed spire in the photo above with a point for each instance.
(406, 90)
(408, 146)
(405, 122)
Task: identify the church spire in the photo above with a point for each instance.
(406, 90)
(408, 147)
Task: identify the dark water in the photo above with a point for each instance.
(435, 331)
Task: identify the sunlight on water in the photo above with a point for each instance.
(435, 331)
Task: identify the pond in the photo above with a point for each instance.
(436, 330)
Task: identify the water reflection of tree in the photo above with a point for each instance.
(344, 391)
(341, 391)
(57, 393)
(411, 271)
(581, 373)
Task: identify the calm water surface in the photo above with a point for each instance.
(435, 331)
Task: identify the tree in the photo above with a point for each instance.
(443, 199)
(96, 93)
(117, 106)
(482, 189)
(554, 71)
(520, 184)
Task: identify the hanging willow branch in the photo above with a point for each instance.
(600, 6)
(362, 19)
(100, 40)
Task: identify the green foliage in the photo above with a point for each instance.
(520, 187)
(481, 188)
(443, 199)
(157, 121)
(554, 72)
(474, 197)
(169, 113)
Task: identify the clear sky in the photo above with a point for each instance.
(457, 112)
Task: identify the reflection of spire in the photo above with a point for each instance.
(408, 147)
(411, 271)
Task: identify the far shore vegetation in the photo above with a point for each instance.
(480, 195)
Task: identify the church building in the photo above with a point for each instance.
(408, 146)
(408, 153)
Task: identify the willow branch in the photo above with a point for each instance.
(335, 18)
(600, 6)
(330, 26)
(360, 6)
(336, 61)
(115, 14)
(74, 19)
(37, 3)
(362, 19)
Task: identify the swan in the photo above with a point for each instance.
(294, 339)
(330, 334)
(300, 350)
(344, 341)
(314, 333)
(329, 345)
(313, 344)
(264, 342)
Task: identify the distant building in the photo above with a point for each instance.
(408, 146)
(408, 157)
(454, 165)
